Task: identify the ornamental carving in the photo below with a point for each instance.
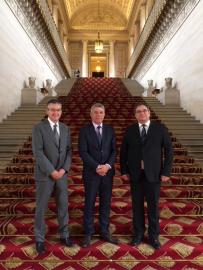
(173, 16)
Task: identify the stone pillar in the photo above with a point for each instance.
(131, 46)
(55, 14)
(61, 31)
(150, 89)
(65, 43)
(49, 88)
(149, 6)
(169, 95)
(84, 59)
(136, 32)
(31, 95)
(111, 59)
(142, 16)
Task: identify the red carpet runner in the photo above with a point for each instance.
(181, 205)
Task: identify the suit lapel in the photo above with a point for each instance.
(104, 135)
(137, 132)
(62, 136)
(149, 130)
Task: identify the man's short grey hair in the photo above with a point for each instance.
(97, 105)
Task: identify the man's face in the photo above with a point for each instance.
(97, 115)
(142, 114)
(54, 112)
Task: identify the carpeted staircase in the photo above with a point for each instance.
(181, 203)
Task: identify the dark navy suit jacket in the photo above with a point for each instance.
(92, 153)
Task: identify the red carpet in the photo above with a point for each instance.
(181, 203)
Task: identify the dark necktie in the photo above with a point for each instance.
(99, 134)
(56, 135)
(143, 133)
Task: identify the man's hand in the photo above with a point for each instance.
(61, 172)
(165, 178)
(102, 169)
(55, 175)
(125, 177)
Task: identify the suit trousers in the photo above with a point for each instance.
(101, 185)
(44, 190)
(141, 189)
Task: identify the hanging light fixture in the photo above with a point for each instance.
(98, 45)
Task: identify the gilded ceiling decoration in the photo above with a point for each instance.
(99, 14)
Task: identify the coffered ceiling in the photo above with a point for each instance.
(99, 14)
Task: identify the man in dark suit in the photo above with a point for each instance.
(51, 145)
(97, 149)
(141, 160)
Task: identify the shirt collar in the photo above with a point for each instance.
(146, 124)
(96, 125)
(52, 123)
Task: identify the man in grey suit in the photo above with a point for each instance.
(51, 146)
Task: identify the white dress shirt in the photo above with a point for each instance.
(146, 126)
(52, 125)
(96, 129)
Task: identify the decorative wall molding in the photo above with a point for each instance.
(149, 26)
(32, 21)
(152, 43)
(54, 33)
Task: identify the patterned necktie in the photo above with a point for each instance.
(143, 133)
(99, 134)
(56, 135)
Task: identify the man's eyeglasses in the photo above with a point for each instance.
(54, 110)
(142, 111)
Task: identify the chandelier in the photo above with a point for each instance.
(98, 45)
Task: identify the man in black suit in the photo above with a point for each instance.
(51, 146)
(97, 149)
(141, 159)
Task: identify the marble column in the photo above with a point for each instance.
(60, 28)
(111, 59)
(131, 46)
(149, 5)
(142, 16)
(55, 14)
(136, 32)
(65, 43)
(84, 59)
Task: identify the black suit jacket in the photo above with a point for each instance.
(151, 152)
(92, 154)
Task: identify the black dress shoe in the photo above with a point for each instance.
(66, 242)
(40, 247)
(136, 240)
(109, 239)
(86, 241)
(154, 242)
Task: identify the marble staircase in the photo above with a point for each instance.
(184, 127)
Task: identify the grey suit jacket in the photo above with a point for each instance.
(48, 155)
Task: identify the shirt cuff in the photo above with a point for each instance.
(108, 165)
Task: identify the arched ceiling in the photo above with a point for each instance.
(98, 14)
